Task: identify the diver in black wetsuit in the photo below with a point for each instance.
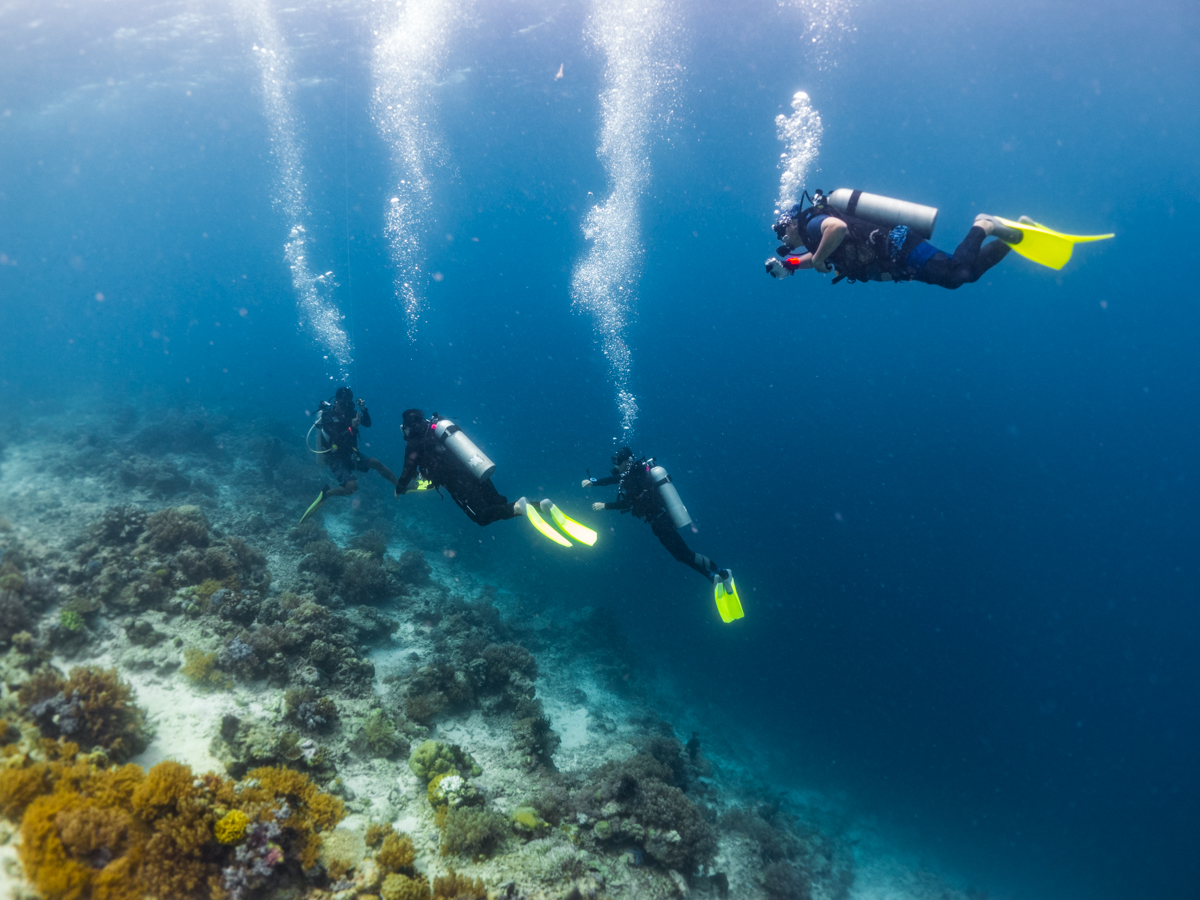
(863, 251)
(425, 454)
(339, 423)
(637, 493)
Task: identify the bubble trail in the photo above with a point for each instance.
(801, 136)
(413, 39)
(314, 293)
(828, 21)
(638, 44)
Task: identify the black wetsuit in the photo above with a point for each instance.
(638, 495)
(341, 431)
(968, 263)
(480, 500)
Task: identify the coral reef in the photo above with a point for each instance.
(453, 886)
(378, 736)
(92, 707)
(201, 669)
(404, 887)
(784, 881)
(432, 758)
(396, 852)
(242, 745)
(169, 529)
(91, 831)
(472, 832)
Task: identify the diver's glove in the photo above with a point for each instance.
(780, 268)
(597, 506)
(588, 482)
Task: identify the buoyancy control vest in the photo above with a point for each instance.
(868, 252)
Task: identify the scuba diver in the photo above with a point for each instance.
(645, 489)
(437, 450)
(337, 427)
(867, 237)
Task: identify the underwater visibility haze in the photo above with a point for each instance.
(963, 522)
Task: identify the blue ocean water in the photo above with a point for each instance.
(964, 523)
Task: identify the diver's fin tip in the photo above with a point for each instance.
(531, 513)
(577, 530)
(729, 605)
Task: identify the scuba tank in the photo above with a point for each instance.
(670, 497)
(885, 210)
(462, 447)
(324, 445)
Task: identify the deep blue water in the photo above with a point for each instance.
(964, 523)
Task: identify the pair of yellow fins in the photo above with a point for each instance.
(578, 531)
(1044, 245)
(729, 605)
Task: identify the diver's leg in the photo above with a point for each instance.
(487, 504)
(954, 271)
(678, 548)
(341, 468)
(988, 257)
(344, 490)
(372, 463)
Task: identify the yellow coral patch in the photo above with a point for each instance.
(232, 827)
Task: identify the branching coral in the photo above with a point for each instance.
(535, 741)
(309, 810)
(169, 529)
(784, 881)
(119, 525)
(310, 710)
(472, 831)
(92, 707)
(123, 834)
(404, 887)
(396, 853)
(378, 735)
(363, 579)
(453, 886)
(372, 542)
(200, 669)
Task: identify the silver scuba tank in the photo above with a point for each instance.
(461, 446)
(885, 210)
(670, 496)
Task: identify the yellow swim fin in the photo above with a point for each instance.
(1046, 246)
(581, 533)
(530, 512)
(423, 484)
(729, 605)
(316, 504)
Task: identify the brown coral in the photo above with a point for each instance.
(310, 810)
(453, 886)
(396, 853)
(122, 834)
(93, 708)
(402, 887)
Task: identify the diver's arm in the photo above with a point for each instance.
(605, 482)
(833, 232)
(364, 418)
(616, 504)
(409, 470)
